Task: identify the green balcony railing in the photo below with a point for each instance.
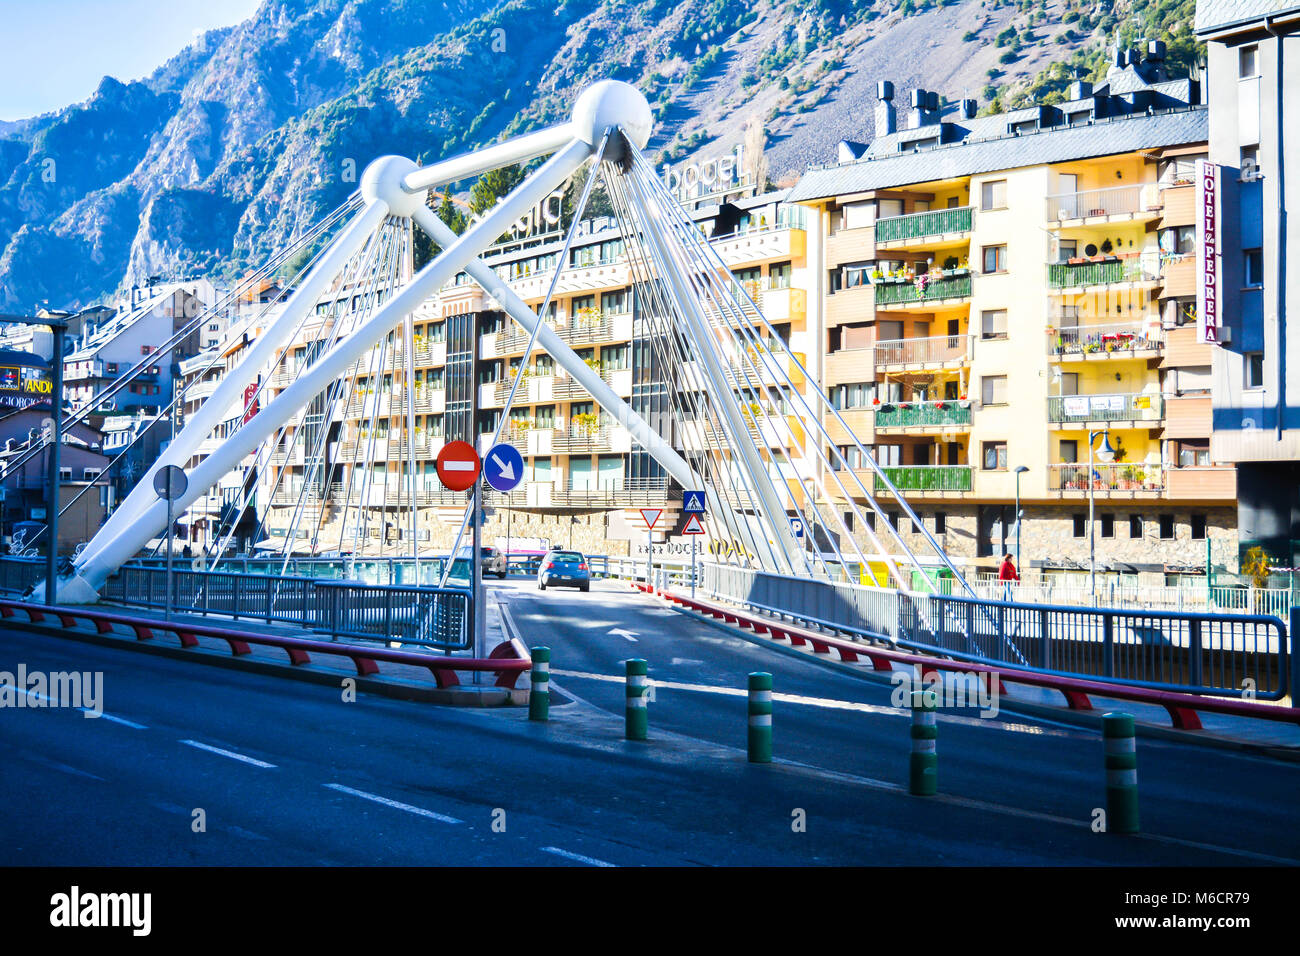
(1064, 275)
(918, 225)
(899, 293)
(922, 413)
(927, 477)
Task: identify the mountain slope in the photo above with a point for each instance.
(253, 133)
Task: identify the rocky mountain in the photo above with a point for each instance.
(251, 134)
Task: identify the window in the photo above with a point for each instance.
(1249, 163)
(1108, 526)
(1254, 268)
(993, 324)
(1135, 526)
(855, 215)
(854, 395)
(993, 389)
(779, 274)
(614, 357)
(65, 474)
(889, 207)
(1193, 453)
(940, 522)
(1254, 369)
(995, 456)
(1067, 249)
(1080, 525)
(856, 275)
(1198, 527)
(1248, 62)
(614, 302)
(1069, 451)
(545, 416)
(993, 195)
(995, 259)
(1167, 526)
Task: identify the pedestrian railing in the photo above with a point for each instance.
(409, 614)
(20, 574)
(1235, 655)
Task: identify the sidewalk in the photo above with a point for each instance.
(399, 681)
(1277, 738)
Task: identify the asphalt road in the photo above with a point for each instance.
(290, 773)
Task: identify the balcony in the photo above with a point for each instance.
(1099, 342)
(943, 414)
(578, 439)
(916, 228)
(1114, 479)
(922, 290)
(952, 478)
(1202, 483)
(1133, 267)
(786, 239)
(851, 245)
(1178, 275)
(849, 365)
(1089, 409)
(1097, 206)
(857, 304)
(933, 350)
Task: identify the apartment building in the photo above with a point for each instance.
(584, 478)
(1253, 49)
(999, 292)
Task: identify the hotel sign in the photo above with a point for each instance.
(1209, 257)
(694, 180)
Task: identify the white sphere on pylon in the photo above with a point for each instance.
(383, 180)
(608, 104)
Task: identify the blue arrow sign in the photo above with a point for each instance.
(693, 503)
(796, 527)
(503, 467)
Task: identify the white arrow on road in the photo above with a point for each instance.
(507, 469)
(619, 632)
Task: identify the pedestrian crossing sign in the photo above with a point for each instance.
(694, 503)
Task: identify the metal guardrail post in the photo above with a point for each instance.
(539, 695)
(760, 717)
(1121, 773)
(1195, 652)
(637, 720)
(1108, 644)
(1293, 658)
(1043, 626)
(923, 763)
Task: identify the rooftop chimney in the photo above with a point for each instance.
(969, 109)
(922, 113)
(886, 116)
(1080, 89)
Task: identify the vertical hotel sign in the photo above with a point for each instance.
(1209, 259)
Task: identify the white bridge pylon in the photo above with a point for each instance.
(611, 123)
(391, 186)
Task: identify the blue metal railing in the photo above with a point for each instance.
(1231, 655)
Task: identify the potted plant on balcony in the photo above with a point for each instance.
(586, 423)
(587, 318)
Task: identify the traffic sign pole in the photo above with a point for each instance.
(693, 540)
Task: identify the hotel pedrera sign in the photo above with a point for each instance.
(1209, 257)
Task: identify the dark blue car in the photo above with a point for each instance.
(568, 569)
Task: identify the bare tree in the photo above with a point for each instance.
(755, 159)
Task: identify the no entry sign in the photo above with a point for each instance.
(458, 465)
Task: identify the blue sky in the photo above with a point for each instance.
(54, 52)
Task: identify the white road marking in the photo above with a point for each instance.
(823, 702)
(686, 661)
(418, 811)
(620, 632)
(85, 710)
(229, 753)
(118, 720)
(55, 765)
(590, 861)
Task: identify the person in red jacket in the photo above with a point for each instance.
(1008, 575)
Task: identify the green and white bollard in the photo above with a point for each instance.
(923, 769)
(1121, 773)
(760, 717)
(638, 721)
(539, 697)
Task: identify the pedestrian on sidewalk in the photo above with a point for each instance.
(1008, 575)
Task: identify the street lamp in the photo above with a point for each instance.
(1107, 454)
(1020, 470)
